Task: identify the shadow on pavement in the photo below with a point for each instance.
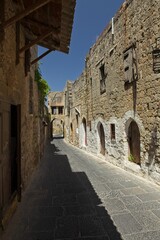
(83, 216)
(62, 204)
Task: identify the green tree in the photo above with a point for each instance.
(43, 86)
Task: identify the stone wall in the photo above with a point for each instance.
(67, 110)
(119, 88)
(19, 106)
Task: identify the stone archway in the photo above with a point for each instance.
(101, 138)
(133, 138)
(84, 132)
(57, 127)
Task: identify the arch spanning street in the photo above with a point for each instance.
(57, 127)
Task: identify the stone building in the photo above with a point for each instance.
(115, 110)
(68, 129)
(56, 111)
(22, 129)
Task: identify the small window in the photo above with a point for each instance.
(102, 72)
(130, 64)
(113, 132)
(60, 110)
(156, 60)
(54, 110)
(156, 56)
(102, 79)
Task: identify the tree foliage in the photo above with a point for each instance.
(43, 86)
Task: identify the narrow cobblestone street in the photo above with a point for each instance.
(74, 195)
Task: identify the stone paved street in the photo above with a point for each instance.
(74, 195)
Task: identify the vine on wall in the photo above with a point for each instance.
(43, 86)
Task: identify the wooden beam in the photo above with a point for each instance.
(34, 22)
(17, 41)
(41, 56)
(25, 12)
(35, 41)
(21, 3)
(2, 19)
(40, 24)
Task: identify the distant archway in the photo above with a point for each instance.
(133, 138)
(57, 128)
(101, 138)
(84, 132)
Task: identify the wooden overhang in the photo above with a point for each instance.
(47, 23)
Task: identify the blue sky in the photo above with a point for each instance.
(90, 19)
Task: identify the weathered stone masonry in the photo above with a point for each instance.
(56, 111)
(23, 119)
(21, 125)
(115, 108)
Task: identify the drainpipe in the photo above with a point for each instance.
(112, 30)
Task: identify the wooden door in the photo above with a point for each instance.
(5, 168)
(15, 150)
(134, 142)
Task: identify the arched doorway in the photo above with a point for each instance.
(84, 132)
(71, 132)
(134, 142)
(102, 138)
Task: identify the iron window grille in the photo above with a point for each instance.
(156, 57)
